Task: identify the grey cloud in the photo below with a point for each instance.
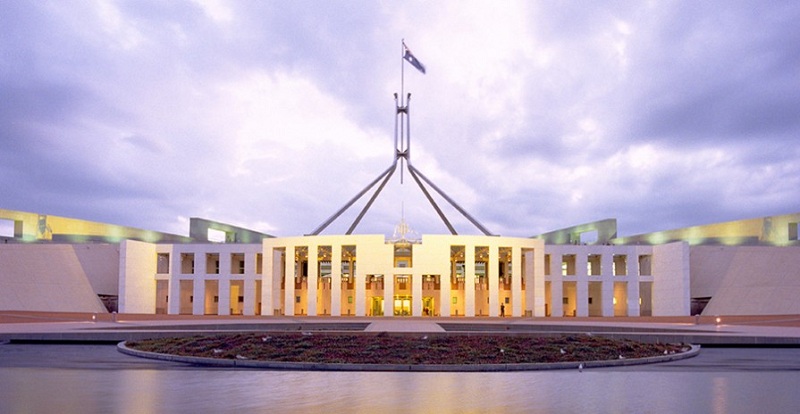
(724, 73)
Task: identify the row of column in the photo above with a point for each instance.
(283, 265)
(223, 294)
(607, 279)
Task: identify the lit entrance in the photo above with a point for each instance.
(376, 306)
(428, 306)
(402, 297)
(402, 305)
(374, 293)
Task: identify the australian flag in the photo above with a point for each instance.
(412, 60)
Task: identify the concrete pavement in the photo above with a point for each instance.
(783, 330)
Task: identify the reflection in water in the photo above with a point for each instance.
(114, 383)
(203, 390)
(719, 401)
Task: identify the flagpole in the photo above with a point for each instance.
(402, 102)
(402, 70)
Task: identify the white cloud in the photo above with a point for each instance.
(217, 10)
(532, 116)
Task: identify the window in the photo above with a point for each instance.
(403, 253)
(325, 268)
(237, 263)
(480, 269)
(212, 263)
(216, 236)
(645, 265)
(402, 282)
(620, 265)
(568, 265)
(593, 267)
(187, 263)
(162, 265)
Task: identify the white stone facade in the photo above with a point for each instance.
(363, 275)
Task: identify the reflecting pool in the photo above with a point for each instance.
(96, 378)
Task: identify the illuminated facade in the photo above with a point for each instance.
(556, 274)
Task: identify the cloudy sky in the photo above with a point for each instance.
(270, 115)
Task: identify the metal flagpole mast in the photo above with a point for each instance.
(402, 68)
(400, 108)
(402, 149)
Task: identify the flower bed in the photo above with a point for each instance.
(404, 349)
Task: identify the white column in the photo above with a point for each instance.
(313, 277)
(223, 284)
(556, 295)
(538, 281)
(516, 282)
(634, 308)
(270, 271)
(388, 294)
(607, 293)
(271, 286)
(469, 280)
(416, 294)
(291, 272)
(581, 263)
(174, 262)
(527, 270)
(494, 280)
(361, 293)
(174, 298)
(249, 293)
(336, 280)
(224, 292)
(444, 291)
(632, 279)
(582, 290)
(199, 296)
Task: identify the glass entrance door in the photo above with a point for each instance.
(402, 305)
(376, 306)
(428, 308)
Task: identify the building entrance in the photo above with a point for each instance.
(402, 305)
(376, 306)
(428, 306)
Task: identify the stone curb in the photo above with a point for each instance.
(314, 366)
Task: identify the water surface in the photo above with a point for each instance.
(96, 378)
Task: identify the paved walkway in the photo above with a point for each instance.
(404, 326)
(44, 326)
